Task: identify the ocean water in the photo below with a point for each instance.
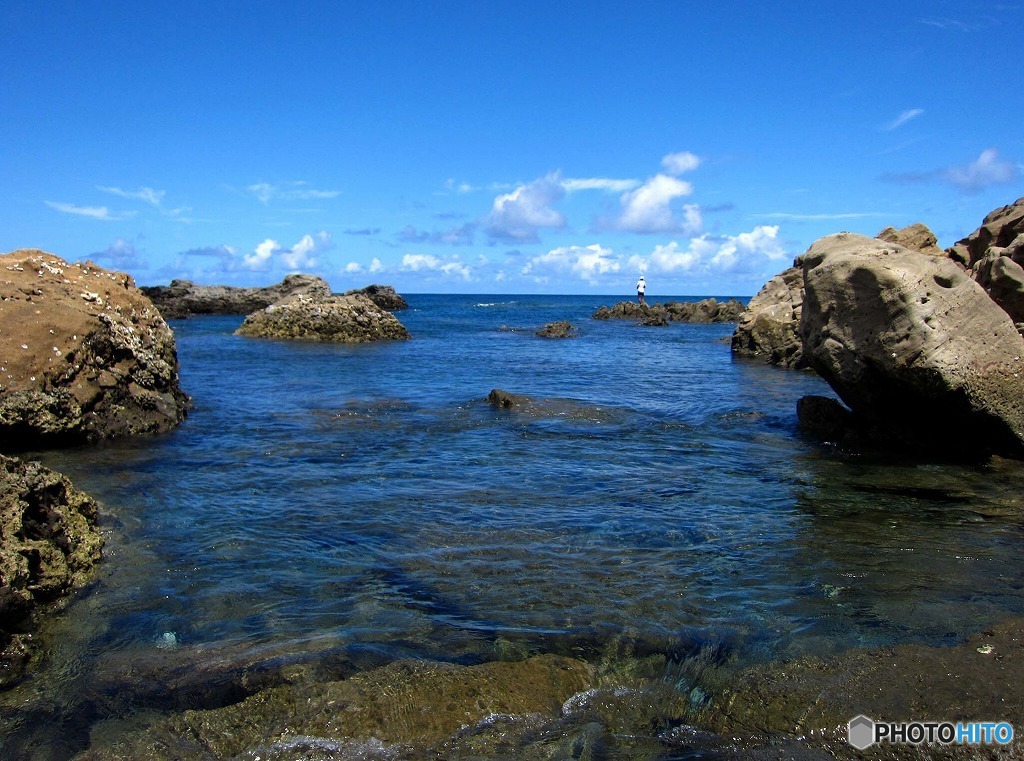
(364, 503)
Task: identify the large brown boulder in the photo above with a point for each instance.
(995, 255)
(183, 298)
(49, 543)
(916, 237)
(769, 328)
(913, 346)
(84, 355)
(340, 319)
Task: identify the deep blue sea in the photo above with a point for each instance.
(367, 500)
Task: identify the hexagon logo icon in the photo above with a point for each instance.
(861, 732)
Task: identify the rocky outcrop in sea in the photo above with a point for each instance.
(84, 355)
(923, 346)
(183, 298)
(559, 329)
(49, 543)
(707, 310)
(354, 318)
(383, 296)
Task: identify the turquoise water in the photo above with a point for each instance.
(366, 502)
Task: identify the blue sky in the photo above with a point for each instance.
(485, 147)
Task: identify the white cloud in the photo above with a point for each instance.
(906, 116)
(375, 265)
(303, 255)
(586, 262)
(453, 266)
(353, 268)
(648, 208)
(598, 183)
(987, 169)
(94, 212)
(299, 190)
(149, 195)
(121, 254)
(705, 254)
(262, 255)
(680, 163)
(517, 216)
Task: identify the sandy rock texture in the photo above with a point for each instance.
(84, 355)
(913, 345)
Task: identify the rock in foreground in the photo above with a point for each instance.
(770, 327)
(49, 544)
(183, 298)
(340, 319)
(84, 355)
(913, 346)
(407, 709)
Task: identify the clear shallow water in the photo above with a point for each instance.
(368, 499)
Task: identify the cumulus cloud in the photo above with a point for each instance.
(518, 215)
(303, 255)
(745, 252)
(586, 262)
(260, 257)
(453, 266)
(94, 212)
(906, 116)
(648, 209)
(680, 163)
(986, 170)
(740, 251)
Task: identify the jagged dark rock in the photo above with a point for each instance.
(383, 296)
(560, 329)
(707, 310)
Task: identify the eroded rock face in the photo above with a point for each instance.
(769, 328)
(707, 310)
(913, 346)
(49, 544)
(916, 237)
(995, 255)
(84, 355)
(340, 319)
(408, 707)
(183, 298)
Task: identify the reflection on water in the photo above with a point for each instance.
(330, 508)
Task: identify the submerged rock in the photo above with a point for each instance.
(913, 346)
(183, 298)
(707, 310)
(406, 707)
(340, 319)
(560, 329)
(814, 698)
(84, 355)
(49, 544)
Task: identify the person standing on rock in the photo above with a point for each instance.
(641, 288)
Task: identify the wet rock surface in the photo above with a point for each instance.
(49, 545)
(84, 355)
(340, 319)
(183, 298)
(707, 310)
(407, 709)
(814, 698)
